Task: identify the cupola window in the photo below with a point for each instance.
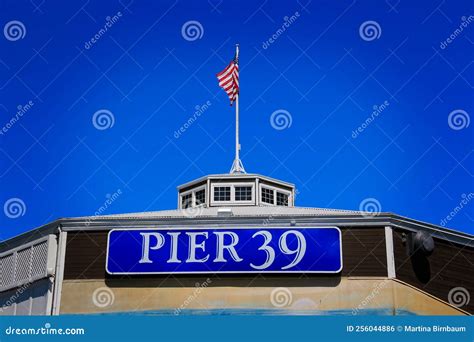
(282, 199)
(221, 193)
(200, 197)
(243, 193)
(267, 195)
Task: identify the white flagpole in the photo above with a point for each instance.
(237, 166)
(237, 146)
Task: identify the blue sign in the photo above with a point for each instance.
(220, 250)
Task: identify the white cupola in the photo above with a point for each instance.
(235, 190)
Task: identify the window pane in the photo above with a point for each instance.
(222, 193)
(200, 197)
(282, 199)
(187, 201)
(243, 193)
(267, 196)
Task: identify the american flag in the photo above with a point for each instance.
(229, 78)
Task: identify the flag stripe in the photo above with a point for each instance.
(226, 72)
(227, 68)
(229, 80)
(226, 76)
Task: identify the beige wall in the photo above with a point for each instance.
(347, 295)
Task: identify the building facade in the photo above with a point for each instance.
(388, 264)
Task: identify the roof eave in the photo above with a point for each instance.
(92, 223)
(225, 176)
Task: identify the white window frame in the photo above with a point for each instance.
(252, 187)
(218, 185)
(232, 193)
(285, 192)
(193, 198)
(203, 187)
(181, 198)
(275, 190)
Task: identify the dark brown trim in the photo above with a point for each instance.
(450, 266)
(192, 187)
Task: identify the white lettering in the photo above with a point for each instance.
(160, 241)
(221, 246)
(299, 251)
(174, 248)
(266, 248)
(193, 245)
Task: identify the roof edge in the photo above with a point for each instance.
(101, 223)
(229, 175)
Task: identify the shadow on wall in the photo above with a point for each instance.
(267, 280)
(421, 266)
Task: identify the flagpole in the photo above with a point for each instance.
(237, 166)
(237, 146)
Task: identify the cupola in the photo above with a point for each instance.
(235, 189)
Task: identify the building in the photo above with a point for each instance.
(379, 263)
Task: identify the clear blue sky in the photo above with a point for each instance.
(323, 69)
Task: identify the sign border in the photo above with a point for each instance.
(222, 272)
